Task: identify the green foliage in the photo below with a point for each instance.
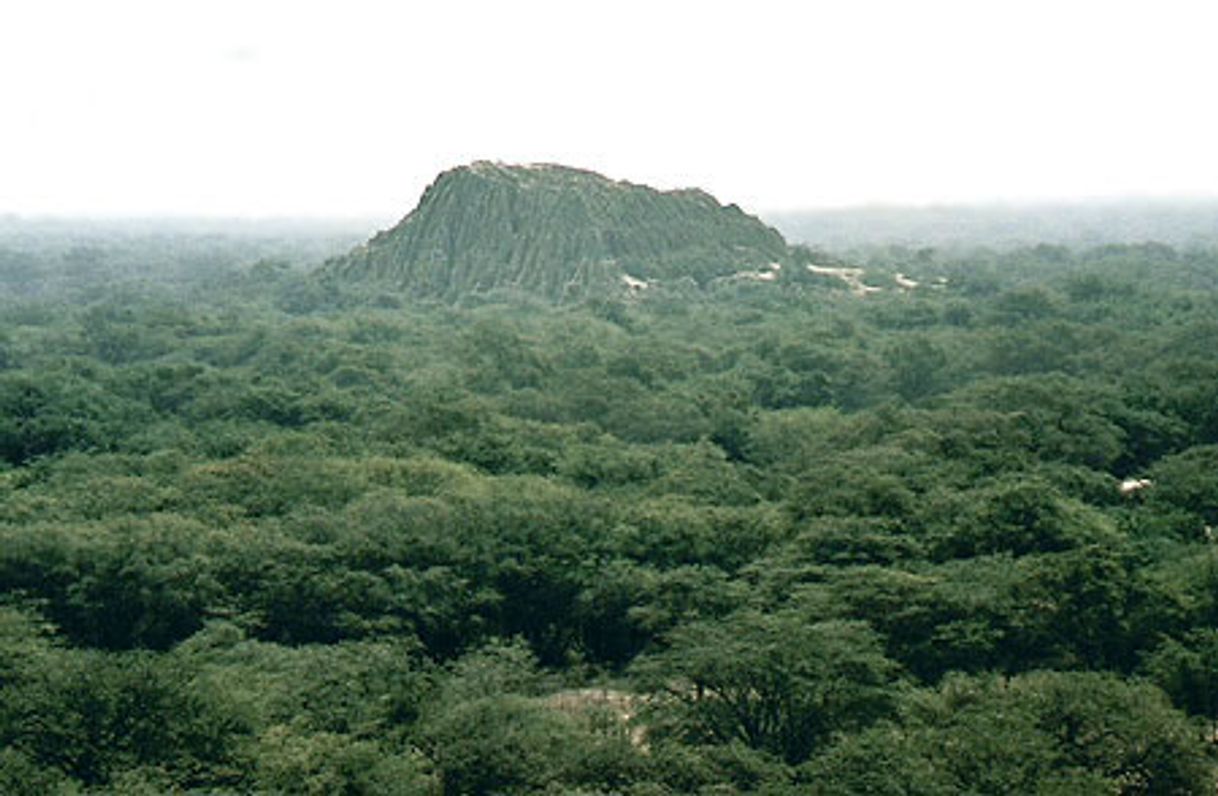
(1187, 670)
(20, 776)
(318, 763)
(487, 732)
(267, 532)
(777, 683)
(1050, 733)
(1188, 482)
(1017, 515)
(93, 715)
(54, 413)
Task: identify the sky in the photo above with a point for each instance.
(268, 108)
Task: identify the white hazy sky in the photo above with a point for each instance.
(259, 107)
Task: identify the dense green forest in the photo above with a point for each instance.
(265, 531)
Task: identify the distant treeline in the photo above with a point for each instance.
(1080, 224)
(65, 257)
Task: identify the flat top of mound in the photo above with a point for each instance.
(558, 176)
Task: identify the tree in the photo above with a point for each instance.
(93, 715)
(1045, 732)
(775, 682)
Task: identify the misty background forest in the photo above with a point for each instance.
(267, 530)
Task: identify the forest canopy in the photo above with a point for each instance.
(265, 531)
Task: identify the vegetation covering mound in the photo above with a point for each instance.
(560, 232)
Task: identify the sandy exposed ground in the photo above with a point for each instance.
(622, 705)
(853, 277)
